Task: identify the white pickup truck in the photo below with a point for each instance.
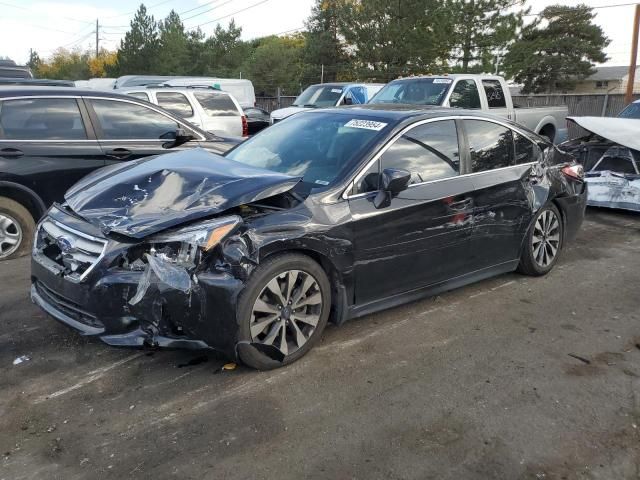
(463, 91)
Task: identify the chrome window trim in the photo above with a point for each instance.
(91, 97)
(345, 195)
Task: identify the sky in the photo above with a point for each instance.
(45, 25)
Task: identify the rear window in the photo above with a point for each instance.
(217, 104)
(175, 103)
(140, 95)
(41, 119)
(495, 95)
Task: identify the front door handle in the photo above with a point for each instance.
(118, 153)
(11, 153)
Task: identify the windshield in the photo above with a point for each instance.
(315, 146)
(632, 111)
(319, 96)
(417, 91)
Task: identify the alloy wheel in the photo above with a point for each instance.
(287, 311)
(10, 235)
(546, 238)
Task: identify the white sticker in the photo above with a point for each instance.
(366, 124)
(441, 80)
(336, 90)
(322, 182)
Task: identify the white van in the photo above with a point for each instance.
(210, 109)
(240, 88)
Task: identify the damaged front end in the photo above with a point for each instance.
(610, 154)
(131, 285)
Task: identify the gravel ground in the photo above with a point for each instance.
(513, 378)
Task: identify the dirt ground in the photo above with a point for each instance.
(510, 378)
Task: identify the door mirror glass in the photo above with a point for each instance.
(347, 101)
(392, 182)
(182, 136)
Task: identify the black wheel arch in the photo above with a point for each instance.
(25, 197)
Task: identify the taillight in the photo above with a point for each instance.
(245, 127)
(574, 171)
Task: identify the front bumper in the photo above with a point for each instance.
(204, 317)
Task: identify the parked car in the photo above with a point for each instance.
(631, 111)
(242, 89)
(210, 109)
(329, 215)
(610, 154)
(36, 82)
(257, 119)
(51, 137)
(463, 91)
(328, 95)
(9, 69)
(96, 83)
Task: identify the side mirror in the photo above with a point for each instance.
(347, 101)
(181, 137)
(392, 182)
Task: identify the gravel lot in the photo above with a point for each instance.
(477, 383)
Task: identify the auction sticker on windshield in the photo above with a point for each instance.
(441, 80)
(366, 124)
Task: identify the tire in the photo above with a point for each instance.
(17, 227)
(538, 256)
(257, 306)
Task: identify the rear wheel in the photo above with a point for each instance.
(285, 305)
(16, 229)
(543, 243)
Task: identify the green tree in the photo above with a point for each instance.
(276, 62)
(138, 52)
(34, 61)
(224, 52)
(556, 50)
(173, 47)
(393, 38)
(65, 65)
(481, 31)
(324, 50)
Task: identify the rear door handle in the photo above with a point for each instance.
(11, 153)
(118, 153)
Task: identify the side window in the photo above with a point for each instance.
(491, 145)
(124, 120)
(495, 95)
(217, 104)
(41, 119)
(526, 150)
(428, 151)
(465, 95)
(175, 103)
(141, 95)
(357, 95)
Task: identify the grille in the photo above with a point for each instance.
(75, 253)
(67, 307)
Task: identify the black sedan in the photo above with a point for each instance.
(326, 216)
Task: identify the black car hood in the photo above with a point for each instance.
(147, 196)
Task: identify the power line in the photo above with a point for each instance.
(230, 15)
(206, 11)
(19, 7)
(148, 8)
(198, 7)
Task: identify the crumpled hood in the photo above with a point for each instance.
(623, 131)
(147, 196)
(287, 112)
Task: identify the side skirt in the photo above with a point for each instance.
(431, 290)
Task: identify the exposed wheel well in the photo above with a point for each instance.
(35, 206)
(548, 131)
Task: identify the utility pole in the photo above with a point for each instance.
(631, 77)
(97, 40)
(322, 73)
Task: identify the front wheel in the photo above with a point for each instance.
(16, 229)
(285, 305)
(543, 243)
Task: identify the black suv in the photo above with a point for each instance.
(50, 137)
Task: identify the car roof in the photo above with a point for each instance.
(344, 84)
(35, 91)
(171, 88)
(398, 111)
(452, 76)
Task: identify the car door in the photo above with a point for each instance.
(421, 238)
(47, 144)
(128, 130)
(503, 179)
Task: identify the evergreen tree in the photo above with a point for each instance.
(556, 50)
(34, 61)
(173, 47)
(483, 29)
(138, 53)
(276, 62)
(324, 51)
(224, 52)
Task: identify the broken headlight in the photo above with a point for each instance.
(184, 245)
